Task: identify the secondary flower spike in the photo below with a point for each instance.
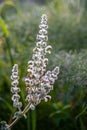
(15, 89)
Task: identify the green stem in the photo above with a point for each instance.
(28, 121)
(33, 116)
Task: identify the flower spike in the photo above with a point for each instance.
(39, 82)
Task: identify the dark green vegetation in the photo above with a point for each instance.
(68, 36)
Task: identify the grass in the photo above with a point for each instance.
(67, 35)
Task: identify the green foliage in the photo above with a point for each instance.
(68, 26)
(67, 35)
(4, 28)
(61, 114)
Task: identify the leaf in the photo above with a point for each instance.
(81, 113)
(54, 113)
(9, 2)
(6, 3)
(58, 105)
(66, 107)
(4, 27)
(7, 104)
(82, 125)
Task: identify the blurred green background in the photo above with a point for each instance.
(67, 20)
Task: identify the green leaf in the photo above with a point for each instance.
(82, 125)
(81, 113)
(7, 104)
(9, 2)
(54, 113)
(66, 107)
(4, 27)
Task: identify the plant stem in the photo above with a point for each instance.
(14, 122)
(33, 117)
(22, 113)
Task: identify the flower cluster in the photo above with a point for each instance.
(14, 89)
(38, 81)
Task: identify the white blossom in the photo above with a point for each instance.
(15, 89)
(39, 82)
